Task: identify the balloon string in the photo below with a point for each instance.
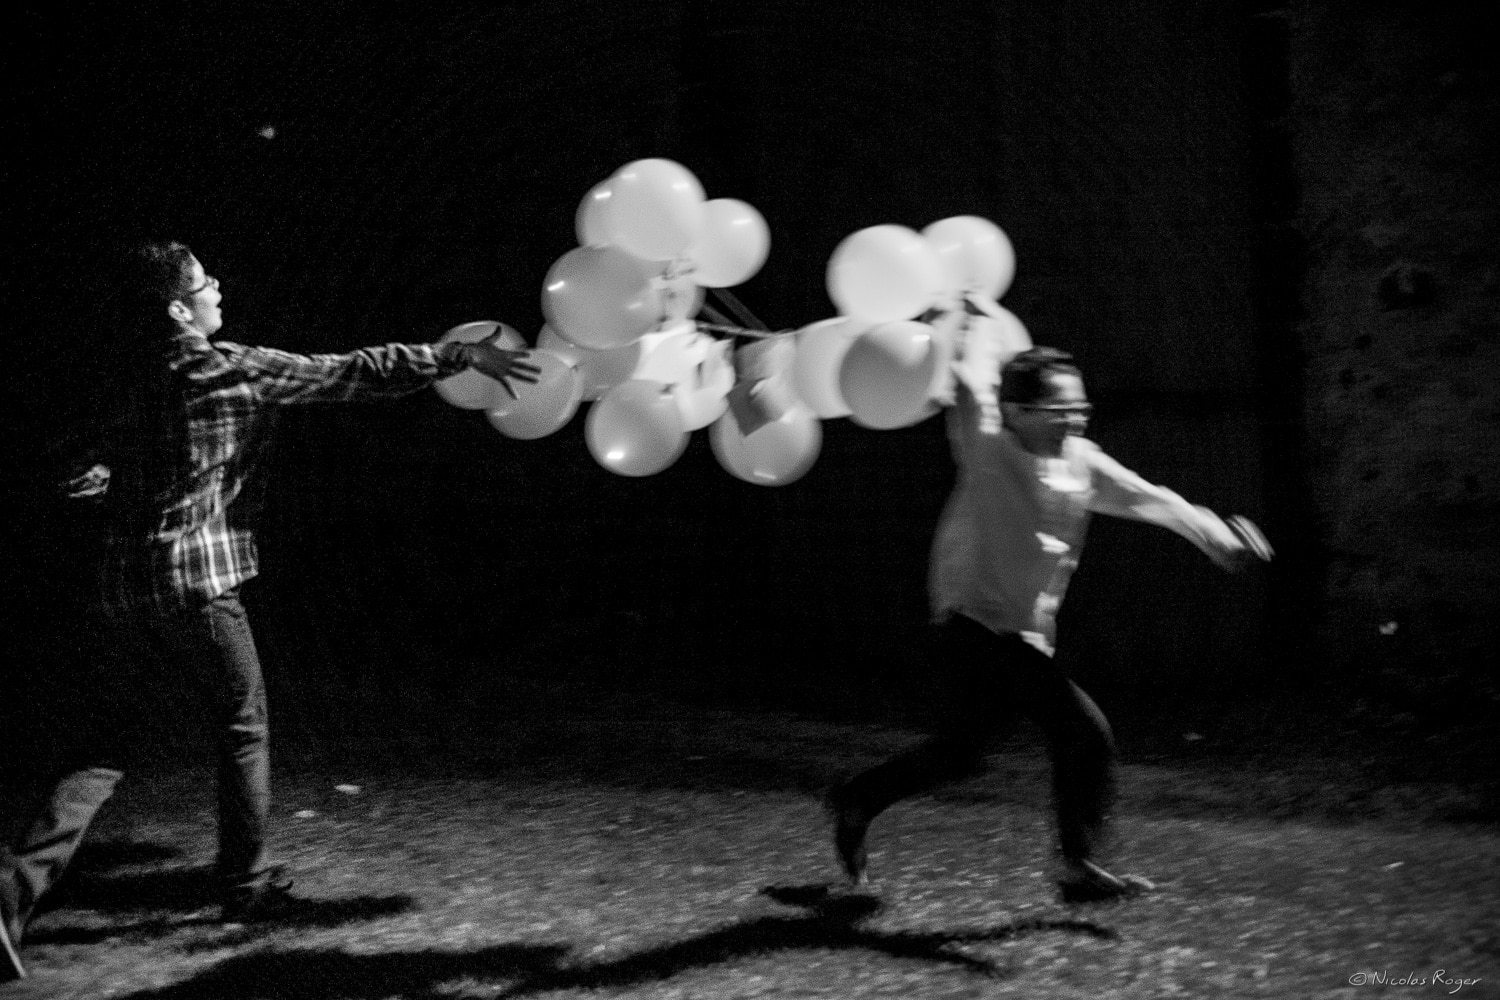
(715, 315)
(740, 331)
(737, 307)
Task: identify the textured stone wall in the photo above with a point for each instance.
(1396, 150)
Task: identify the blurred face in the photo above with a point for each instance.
(199, 308)
(1042, 426)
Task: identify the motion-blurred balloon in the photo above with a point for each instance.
(766, 357)
(886, 373)
(470, 390)
(976, 255)
(815, 365)
(884, 273)
(588, 222)
(776, 454)
(599, 371)
(732, 245)
(635, 429)
(543, 406)
(599, 297)
(655, 210)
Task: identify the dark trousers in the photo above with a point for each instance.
(991, 682)
(208, 654)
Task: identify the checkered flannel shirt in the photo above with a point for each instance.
(186, 453)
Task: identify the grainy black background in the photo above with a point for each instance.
(356, 174)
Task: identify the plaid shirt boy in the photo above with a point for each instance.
(188, 450)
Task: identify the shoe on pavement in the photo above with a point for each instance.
(11, 966)
(849, 827)
(1086, 882)
(269, 898)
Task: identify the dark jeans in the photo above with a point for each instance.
(208, 652)
(992, 681)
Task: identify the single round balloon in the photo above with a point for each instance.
(599, 371)
(732, 246)
(635, 429)
(815, 365)
(884, 273)
(776, 454)
(598, 297)
(886, 372)
(976, 255)
(543, 406)
(588, 221)
(655, 210)
(469, 390)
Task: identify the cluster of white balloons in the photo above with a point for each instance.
(916, 309)
(621, 333)
(619, 326)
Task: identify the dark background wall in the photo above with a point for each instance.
(423, 171)
(1400, 168)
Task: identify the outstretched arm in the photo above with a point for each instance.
(281, 377)
(488, 357)
(1232, 544)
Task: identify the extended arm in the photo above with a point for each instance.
(366, 374)
(1231, 544)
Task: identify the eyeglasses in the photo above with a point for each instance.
(209, 281)
(1061, 409)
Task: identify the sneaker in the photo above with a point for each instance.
(849, 828)
(11, 967)
(1086, 882)
(267, 899)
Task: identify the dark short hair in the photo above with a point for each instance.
(1025, 378)
(157, 272)
(144, 278)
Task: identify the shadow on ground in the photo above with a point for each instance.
(832, 919)
(170, 899)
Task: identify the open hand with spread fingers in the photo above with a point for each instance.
(488, 357)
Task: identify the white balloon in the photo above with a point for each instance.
(469, 390)
(599, 297)
(884, 273)
(732, 246)
(815, 365)
(588, 222)
(599, 370)
(776, 454)
(886, 372)
(976, 254)
(655, 210)
(543, 406)
(635, 429)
